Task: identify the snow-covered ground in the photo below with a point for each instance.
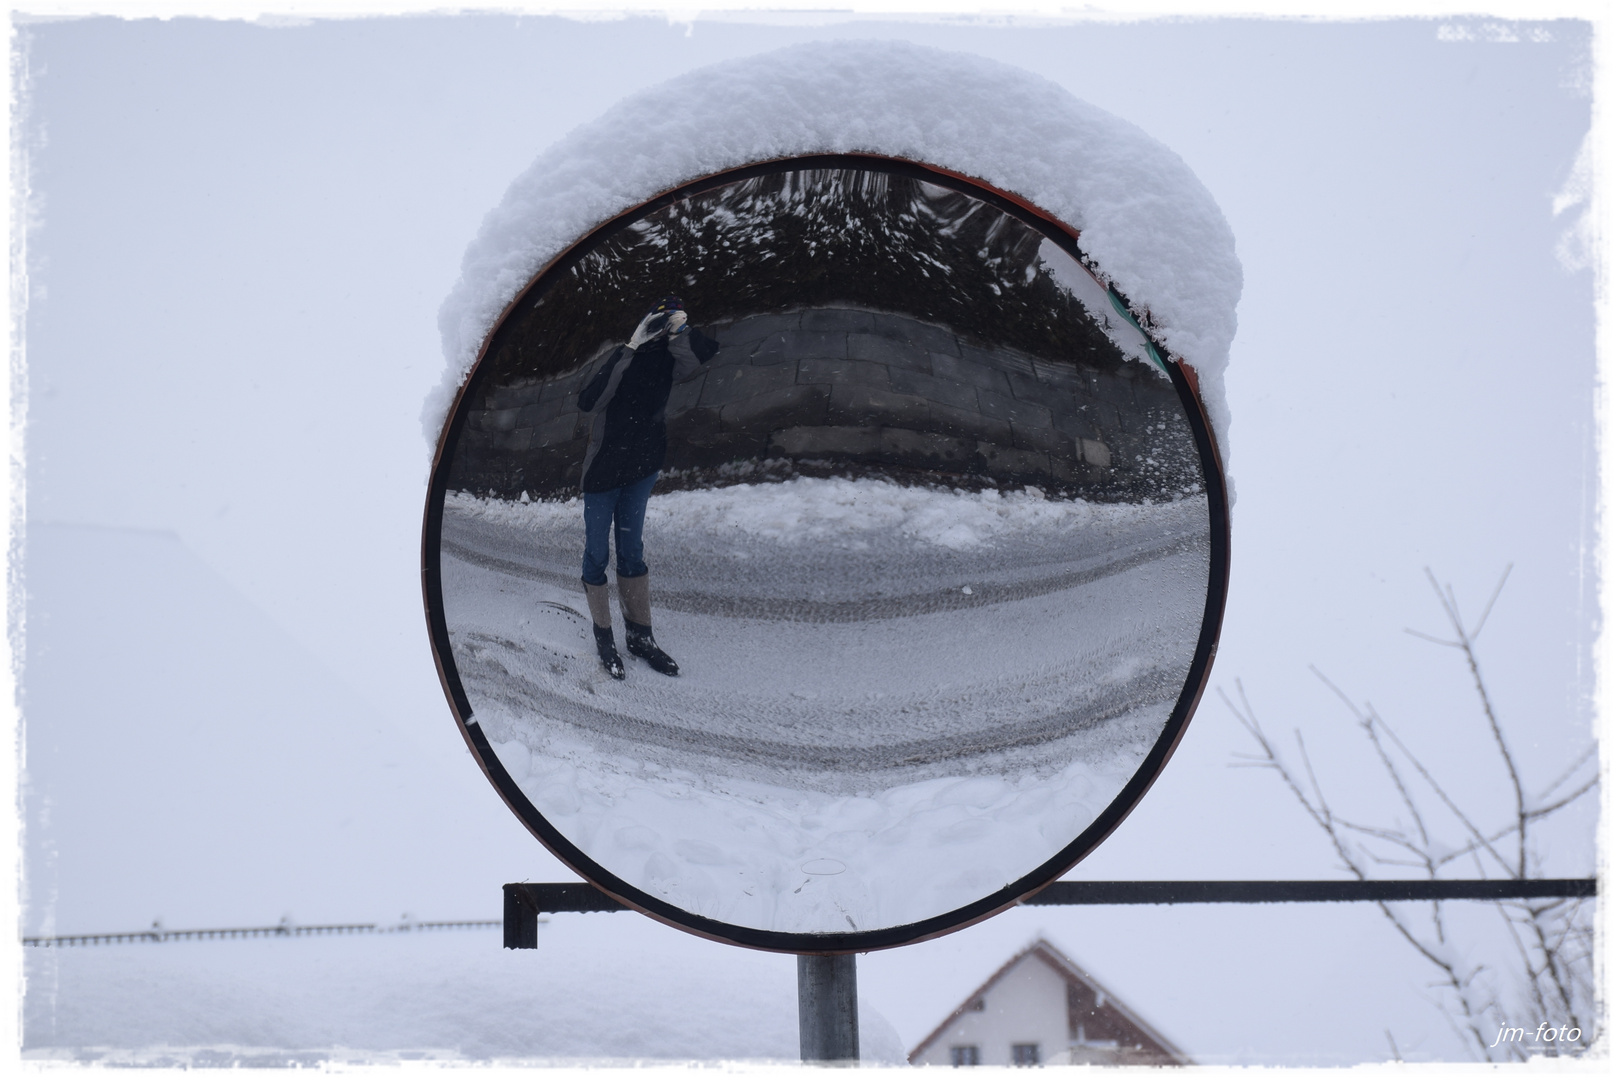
(893, 700)
(600, 989)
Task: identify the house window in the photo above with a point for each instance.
(964, 1055)
(1024, 1054)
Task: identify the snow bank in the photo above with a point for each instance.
(1149, 225)
(839, 511)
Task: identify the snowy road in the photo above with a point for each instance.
(838, 640)
(860, 651)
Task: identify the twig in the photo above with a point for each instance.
(1491, 600)
(1552, 940)
(1577, 763)
(1464, 819)
(1368, 724)
(1450, 604)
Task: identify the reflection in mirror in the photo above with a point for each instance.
(927, 544)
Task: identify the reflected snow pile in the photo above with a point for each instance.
(869, 672)
(848, 513)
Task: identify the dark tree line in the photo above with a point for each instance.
(813, 238)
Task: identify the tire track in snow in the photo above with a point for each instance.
(495, 681)
(461, 541)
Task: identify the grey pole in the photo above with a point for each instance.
(827, 1008)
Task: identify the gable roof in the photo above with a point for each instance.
(1063, 965)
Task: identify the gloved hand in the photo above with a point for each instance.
(651, 327)
(677, 323)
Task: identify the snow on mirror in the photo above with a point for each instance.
(915, 606)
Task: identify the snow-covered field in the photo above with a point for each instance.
(893, 700)
(600, 989)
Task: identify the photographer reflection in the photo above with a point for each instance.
(628, 439)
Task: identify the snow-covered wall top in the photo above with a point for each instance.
(1148, 224)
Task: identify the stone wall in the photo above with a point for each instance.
(842, 385)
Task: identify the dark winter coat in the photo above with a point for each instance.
(628, 434)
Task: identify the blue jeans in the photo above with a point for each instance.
(626, 505)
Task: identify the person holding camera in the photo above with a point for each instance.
(628, 440)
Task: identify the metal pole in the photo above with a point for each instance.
(827, 1008)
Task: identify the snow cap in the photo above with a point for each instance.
(1150, 227)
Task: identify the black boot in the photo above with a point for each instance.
(643, 645)
(607, 648)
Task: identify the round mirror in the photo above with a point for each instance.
(820, 557)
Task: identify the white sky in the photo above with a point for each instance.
(240, 235)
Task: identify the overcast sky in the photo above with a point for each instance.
(239, 239)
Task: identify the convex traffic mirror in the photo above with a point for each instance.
(930, 531)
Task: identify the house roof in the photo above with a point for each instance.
(1068, 969)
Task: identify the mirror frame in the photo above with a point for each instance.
(1184, 381)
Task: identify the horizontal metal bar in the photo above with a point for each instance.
(554, 896)
(1288, 892)
(527, 900)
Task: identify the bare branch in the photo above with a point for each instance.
(1380, 860)
(1450, 604)
(1428, 637)
(1532, 972)
(1248, 720)
(1577, 763)
(1482, 842)
(1545, 811)
(1369, 726)
(1455, 981)
(1367, 722)
(1552, 968)
(1507, 830)
(1553, 942)
(1388, 835)
(1491, 600)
